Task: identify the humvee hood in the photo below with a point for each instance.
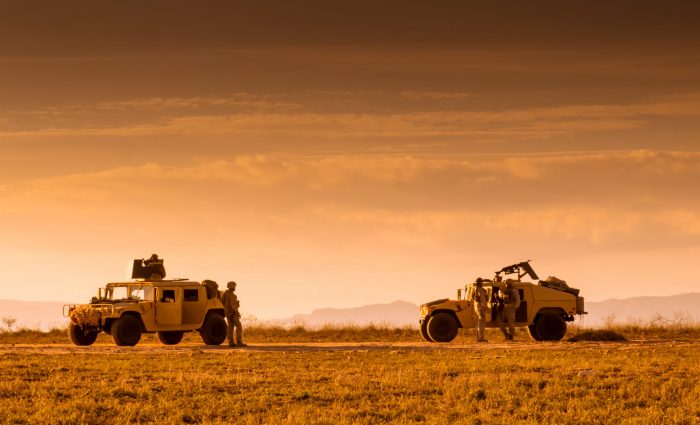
(440, 301)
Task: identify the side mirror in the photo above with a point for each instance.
(155, 294)
(459, 294)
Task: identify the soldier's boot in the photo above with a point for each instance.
(241, 344)
(482, 340)
(509, 337)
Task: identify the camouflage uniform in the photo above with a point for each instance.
(509, 301)
(479, 301)
(233, 316)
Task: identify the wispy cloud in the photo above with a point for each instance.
(528, 123)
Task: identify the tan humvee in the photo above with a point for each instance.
(545, 307)
(126, 310)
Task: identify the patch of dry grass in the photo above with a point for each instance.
(591, 384)
(377, 333)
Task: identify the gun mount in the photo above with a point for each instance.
(521, 269)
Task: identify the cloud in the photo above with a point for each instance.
(485, 184)
(434, 95)
(269, 118)
(248, 100)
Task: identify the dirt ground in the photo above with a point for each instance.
(188, 348)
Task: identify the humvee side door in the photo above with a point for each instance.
(194, 305)
(168, 306)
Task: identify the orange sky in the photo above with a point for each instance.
(349, 153)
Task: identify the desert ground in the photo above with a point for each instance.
(639, 381)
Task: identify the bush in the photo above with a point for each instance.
(595, 335)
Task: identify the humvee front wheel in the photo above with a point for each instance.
(79, 337)
(442, 327)
(213, 331)
(170, 337)
(550, 327)
(424, 331)
(126, 331)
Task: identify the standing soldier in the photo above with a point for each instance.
(509, 301)
(233, 316)
(478, 299)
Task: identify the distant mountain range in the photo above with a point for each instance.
(397, 313)
(684, 308)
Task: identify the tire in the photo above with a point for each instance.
(550, 327)
(442, 327)
(170, 337)
(213, 331)
(533, 332)
(126, 331)
(79, 337)
(424, 330)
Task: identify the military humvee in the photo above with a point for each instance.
(125, 310)
(545, 307)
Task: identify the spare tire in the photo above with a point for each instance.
(212, 288)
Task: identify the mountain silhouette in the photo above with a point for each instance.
(672, 309)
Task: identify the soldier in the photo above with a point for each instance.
(479, 301)
(233, 316)
(155, 266)
(509, 301)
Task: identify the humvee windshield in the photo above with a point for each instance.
(137, 292)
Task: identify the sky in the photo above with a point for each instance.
(349, 152)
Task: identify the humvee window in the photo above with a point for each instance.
(192, 295)
(168, 296)
(118, 293)
(142, 293)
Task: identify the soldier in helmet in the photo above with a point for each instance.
(233, 316)
(509, 301)
(155, 267)
(477, 297)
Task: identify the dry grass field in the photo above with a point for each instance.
(353, 379)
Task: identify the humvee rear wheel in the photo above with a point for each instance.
(170, 337)
(442, 327)
(80, 337)
(550, 327)
(533, 332)
(213, 331)
(424, 331)
(126, 331)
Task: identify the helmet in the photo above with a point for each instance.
(231, 285)
(478, 281)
